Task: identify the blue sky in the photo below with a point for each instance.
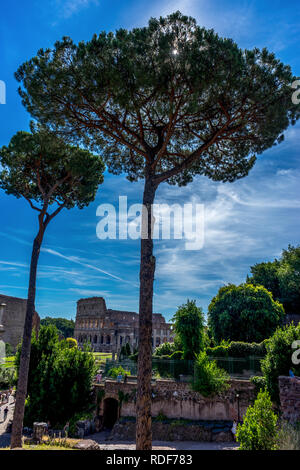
(246, 222)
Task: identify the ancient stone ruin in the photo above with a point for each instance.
(14, 318)
(108, 330)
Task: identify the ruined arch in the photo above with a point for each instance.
(110, 412)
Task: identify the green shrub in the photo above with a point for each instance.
(217, 351)
(7, 378)
(160, 417)
(259, 382)
(8, 349)
(238, 349)
(259, 429)
(115, 371)
(209, 379)
(176, 355)
(278, 360)
(165, 349)
(72, 343)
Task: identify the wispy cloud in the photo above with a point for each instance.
(76, 260)
(67, 8)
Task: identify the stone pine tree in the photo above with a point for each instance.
(165, 102)
(48, 173)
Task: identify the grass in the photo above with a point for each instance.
(100, 358)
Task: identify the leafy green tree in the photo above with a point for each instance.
(125, 350)
(189, 327)
(289, 279)
(282, 278)
(244, 313)
(266, 274)
(165, 102)
(43, 169)
(60, 379)
(209, 379)
(278, 360)
(259, 429)
(64, 325)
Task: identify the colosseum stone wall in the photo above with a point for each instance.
(108, 330)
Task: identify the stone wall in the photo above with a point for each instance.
(220, 431)
(289, 389)
(177, 400)
(14, 319)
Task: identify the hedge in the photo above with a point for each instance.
(238, 349)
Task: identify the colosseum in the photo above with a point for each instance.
(107, 330)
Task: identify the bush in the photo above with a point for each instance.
(113, 372)
(7, 378)
(209, 379)
(176, 355)
(8, 350)
(217, 351)
(72, 343)
(278, 360)
(238, 349)
(165, 349)
(259, 429)
(259, 382)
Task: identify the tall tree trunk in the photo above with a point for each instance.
(147, 269)
(17, 427)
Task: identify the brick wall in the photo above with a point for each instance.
(289, 389)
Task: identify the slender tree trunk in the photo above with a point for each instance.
(147, 269)
(17, 427)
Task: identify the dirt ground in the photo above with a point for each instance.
(106, 444)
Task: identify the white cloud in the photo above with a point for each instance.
(76, 260)
(68, 8)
